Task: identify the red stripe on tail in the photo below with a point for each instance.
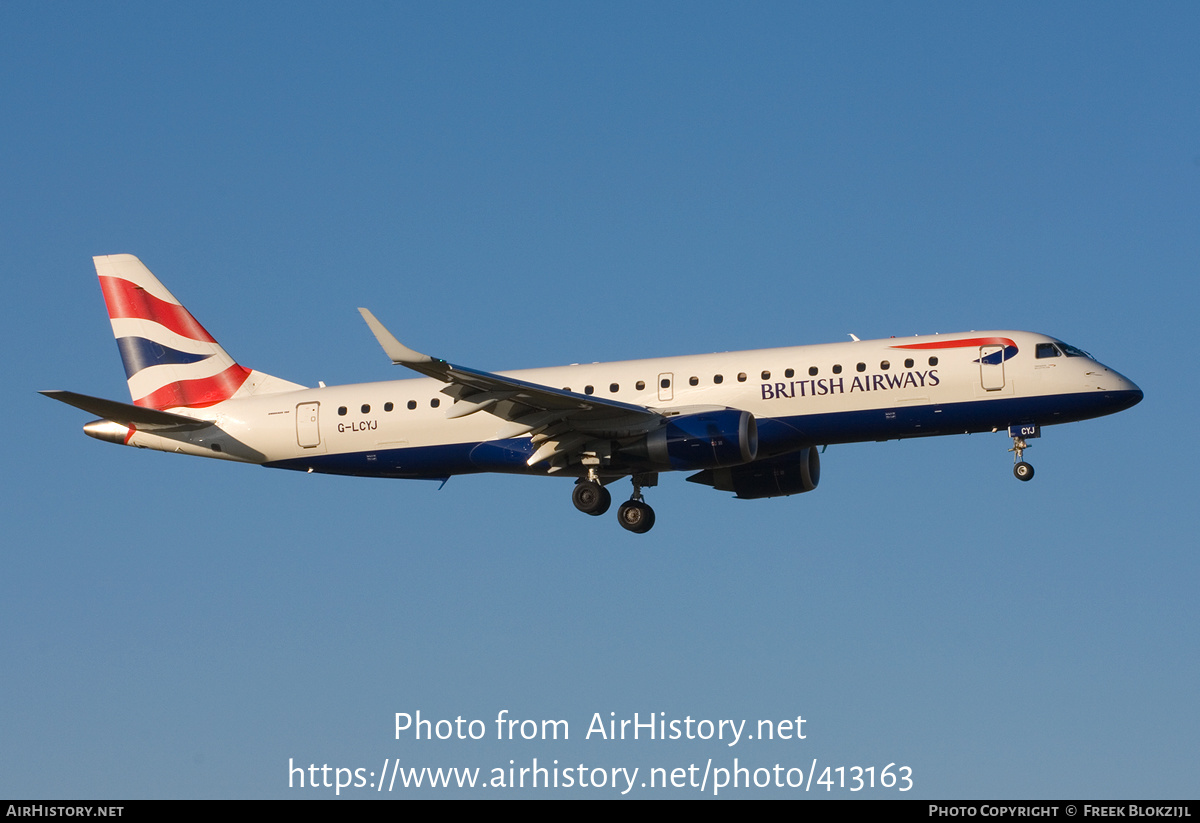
(125, 299)
(197, 394)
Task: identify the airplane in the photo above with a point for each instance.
(749, 422)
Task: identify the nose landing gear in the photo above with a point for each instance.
(1021, 469)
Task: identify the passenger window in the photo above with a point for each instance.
(861, 367)
(640, 385)
(342, 410)
(665, 383)
(412, 404)
(693, 381)
(588, 389)
(885, 365)
(766, 375)
(933, 361)
(908, 364)
(614, 387)
(718, 378)
(366, 409)
(837, 369)
(388, 406)
(813, 371)
(741, 377)
(435, 402)
(789, 373)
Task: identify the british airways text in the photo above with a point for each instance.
(838, 385)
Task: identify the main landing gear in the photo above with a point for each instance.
(634, 515)
(591, 498)
(1021, 469)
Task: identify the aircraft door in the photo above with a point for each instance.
(665, 389)
(308, 435)
(991, 367)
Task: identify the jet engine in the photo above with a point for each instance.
(793, 473)
(705, 440)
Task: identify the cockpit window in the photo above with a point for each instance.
(1071, 351)
(1047, 350)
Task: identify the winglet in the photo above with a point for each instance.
(400, 354)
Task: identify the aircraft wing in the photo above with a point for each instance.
(562, 422)
(139, 417)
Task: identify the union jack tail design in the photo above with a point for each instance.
(170, 360)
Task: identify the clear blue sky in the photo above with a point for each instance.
(512, 185)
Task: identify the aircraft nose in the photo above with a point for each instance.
(1124, 393)
(1135, 395)
(1129, 386)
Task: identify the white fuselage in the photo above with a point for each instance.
(800, 396)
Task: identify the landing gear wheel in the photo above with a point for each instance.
(1021, 469)
(591, 498)
(636, 516)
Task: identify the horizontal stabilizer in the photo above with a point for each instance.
(139, 417)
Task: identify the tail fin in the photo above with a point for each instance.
(170, 360)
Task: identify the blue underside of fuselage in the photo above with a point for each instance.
(776, 435)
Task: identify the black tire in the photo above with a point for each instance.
(1023, 471)
(591, 498)
(636, 516)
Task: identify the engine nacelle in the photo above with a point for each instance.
(705, 440)
(794, 473)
